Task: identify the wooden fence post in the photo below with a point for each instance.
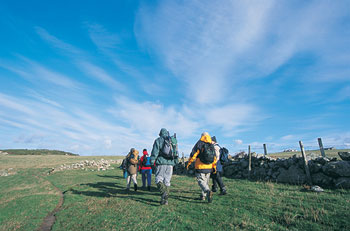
(321, 147)
(307, 171)
(265, 150)
(250, 160)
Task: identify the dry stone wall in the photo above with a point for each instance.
(325, 172)
(92, 165)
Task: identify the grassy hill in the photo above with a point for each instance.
(98, 201)
(37, 152)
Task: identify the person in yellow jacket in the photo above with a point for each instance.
(205, 164)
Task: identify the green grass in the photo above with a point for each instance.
(328, 153)
(98, 201)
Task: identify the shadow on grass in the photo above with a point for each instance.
(108, 189)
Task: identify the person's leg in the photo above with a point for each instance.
(149, 178)
(160, 172)
(215, 186)
(168, 173)
(209, 193)
(143, 172)
(203, 183)
(221, 183)
(128, 181)
(133, 177)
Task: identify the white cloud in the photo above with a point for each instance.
(101, 75)
(287, 137)
(238, 142)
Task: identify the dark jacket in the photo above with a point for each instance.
(156, 155)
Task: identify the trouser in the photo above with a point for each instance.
(147, 173)
(163, 177)
(217, 180)
(129, 178)
(203, 182)
(164, 174)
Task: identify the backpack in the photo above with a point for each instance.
(169, 149)
(146, 162)
(131, 160)
(207, 153)
(124, 164)
(223, 155)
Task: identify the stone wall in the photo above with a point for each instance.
(92, 165)
(325, 172)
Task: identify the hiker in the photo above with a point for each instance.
(217, 180)
(132, 161)
(165, 155)
(145, 168)
(204, 155)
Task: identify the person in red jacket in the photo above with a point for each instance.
(145, 168)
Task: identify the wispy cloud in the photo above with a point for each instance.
(101, 75)
(58, 43)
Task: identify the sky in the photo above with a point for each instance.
(101, 77)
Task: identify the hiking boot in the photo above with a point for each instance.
(135, 187)
(164, 199)
(149, 188)
(201, 198)
(223, 192)
(213, 189)
(209, 196)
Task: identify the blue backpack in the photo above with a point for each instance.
(146, 161)
(223, 155)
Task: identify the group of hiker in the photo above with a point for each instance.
(206, 153)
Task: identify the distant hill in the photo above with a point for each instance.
(36, 152)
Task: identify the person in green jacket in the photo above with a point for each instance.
(164, 164)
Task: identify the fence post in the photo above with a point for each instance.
(265, 150)
(183, 159)
(307, 171)
(321, 147)
(250, 161)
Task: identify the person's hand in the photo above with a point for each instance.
(187, 167)
(214, 170)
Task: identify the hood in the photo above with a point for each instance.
(206, 138)
(163, 133)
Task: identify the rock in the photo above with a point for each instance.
(321, 160)
(343, 182)
(316, 188)
(344, 155)
(322, 179)
(293, 175)
(315, 167)
(337, 168)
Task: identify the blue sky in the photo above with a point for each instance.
(100, 77)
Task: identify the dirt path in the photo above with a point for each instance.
(50, 219)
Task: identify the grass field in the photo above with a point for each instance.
(328, 153)
(98, 201)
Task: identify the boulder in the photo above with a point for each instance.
(321, 179)
(344, 155)
(343, 182)
(337, 168)
(293, 175)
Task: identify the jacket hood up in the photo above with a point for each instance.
(163, 133)
(206, 138)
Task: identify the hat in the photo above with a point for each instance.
(213, 139)
(205, 134)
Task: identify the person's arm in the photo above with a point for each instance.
(140, 164)
(214, 164)
(192, 159)
(155, 152)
